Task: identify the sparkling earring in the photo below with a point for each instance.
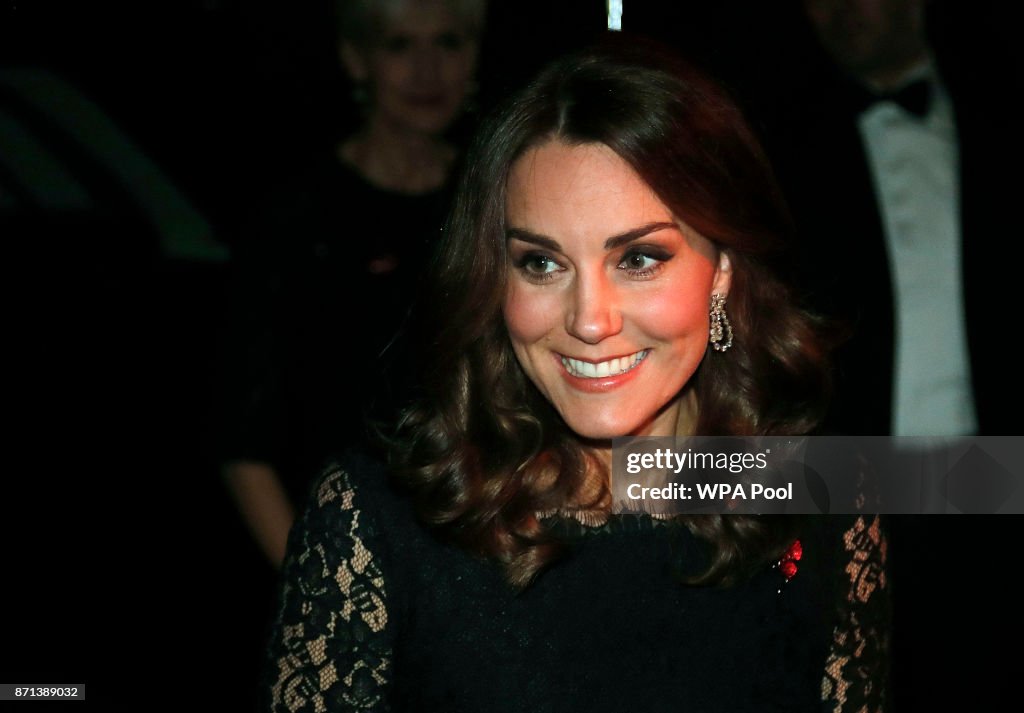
(720, 327)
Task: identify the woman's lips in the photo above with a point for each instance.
(599, 377)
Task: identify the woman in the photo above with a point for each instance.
(412, 64)
(355, 227)
(611, 268)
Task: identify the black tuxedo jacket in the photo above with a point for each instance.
(817, 150)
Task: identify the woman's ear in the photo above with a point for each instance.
(723, 274)
(353, 61)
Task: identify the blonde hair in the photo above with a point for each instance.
(361, 22)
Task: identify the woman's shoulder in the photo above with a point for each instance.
(355, 484)
(849, 551)
(354, 505)
(860, 537)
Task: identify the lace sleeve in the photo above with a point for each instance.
(331, 646)
(856, 669)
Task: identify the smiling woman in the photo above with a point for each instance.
(616, 223)
(609, 329)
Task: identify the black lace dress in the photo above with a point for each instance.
(377, 615)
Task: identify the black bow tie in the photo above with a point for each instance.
(915, 98)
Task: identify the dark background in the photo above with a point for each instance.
(124, 565)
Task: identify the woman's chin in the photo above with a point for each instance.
(591, 430)
(597, 425)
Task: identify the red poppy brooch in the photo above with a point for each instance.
(787, 563)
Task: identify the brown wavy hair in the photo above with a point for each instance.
(485, 452)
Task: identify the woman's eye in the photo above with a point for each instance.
(538, 266)
(397, 44)
(641, 264)
(450, 41)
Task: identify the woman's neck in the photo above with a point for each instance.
(684, 414)
(396, 160)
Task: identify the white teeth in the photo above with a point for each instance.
(612, 367)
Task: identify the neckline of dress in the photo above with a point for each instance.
(600, 521)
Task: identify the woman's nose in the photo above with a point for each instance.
(427, 64)
(593, 314)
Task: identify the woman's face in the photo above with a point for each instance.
(608, 292)
(418, 70)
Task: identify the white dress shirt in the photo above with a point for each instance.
(914, 163)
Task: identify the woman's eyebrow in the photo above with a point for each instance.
(610, 244)
(637, 233)
(527, 237)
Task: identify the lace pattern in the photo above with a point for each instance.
(332, 644)
(328, 650)
(855, 670)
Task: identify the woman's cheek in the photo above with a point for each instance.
(674, 314)
(529, 315)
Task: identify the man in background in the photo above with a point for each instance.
(890, 159)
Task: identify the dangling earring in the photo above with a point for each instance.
(720, 327)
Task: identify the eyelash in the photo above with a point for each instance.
(523, 264)
(643, 273)
(659, 258)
